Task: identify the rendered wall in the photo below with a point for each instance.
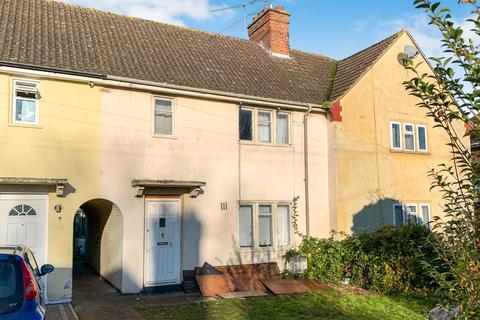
(66, 144)
(205, 148)
(370, 176)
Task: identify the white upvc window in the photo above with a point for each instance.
(424, 215)
(246, 226)
(395, 135)
(422, 144)
(398, 218)
(26, 96)
(411, 213)
(163, 117)
(283, 128)
(246, 128)
(409, 136)
(283, 225)
(264, 126)
(264, 225)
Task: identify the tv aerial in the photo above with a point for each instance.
(409, 53)
(267, 4)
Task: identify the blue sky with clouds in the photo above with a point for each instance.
(333, 28)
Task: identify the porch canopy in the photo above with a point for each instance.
(167, 187)
(58, 183)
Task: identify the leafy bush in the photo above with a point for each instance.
(391, 260)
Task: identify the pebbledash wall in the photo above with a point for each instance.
(370, 176)
(100, 138)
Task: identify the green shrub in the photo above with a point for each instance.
(391, 259)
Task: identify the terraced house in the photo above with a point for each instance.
(150, 148)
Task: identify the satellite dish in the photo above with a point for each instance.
(410, 51)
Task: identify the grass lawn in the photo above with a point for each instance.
(332, 304)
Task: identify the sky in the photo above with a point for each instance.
(335, 28)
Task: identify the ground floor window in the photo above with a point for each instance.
(264, 225)
(411, 213)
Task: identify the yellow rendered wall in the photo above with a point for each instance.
(371, 177)
(66, 144)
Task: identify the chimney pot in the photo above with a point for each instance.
(270, 29)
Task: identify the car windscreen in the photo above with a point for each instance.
(11, 285)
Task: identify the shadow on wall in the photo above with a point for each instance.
(104, 237)
(382, 212)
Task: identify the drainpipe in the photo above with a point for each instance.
(305, 154)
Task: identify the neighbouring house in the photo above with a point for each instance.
(158, 148)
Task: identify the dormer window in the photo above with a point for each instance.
(26, 96)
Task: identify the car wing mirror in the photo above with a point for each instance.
(46, 268)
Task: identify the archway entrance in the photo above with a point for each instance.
(98, 247)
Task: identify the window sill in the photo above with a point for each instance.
(260, 249)
(249, 143)
(25, 125)
(424, 153)
(164, 136)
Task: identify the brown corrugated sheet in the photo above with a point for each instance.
(57, 35)
(290, 286)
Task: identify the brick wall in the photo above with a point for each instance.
(270, 28)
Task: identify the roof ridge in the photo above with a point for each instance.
(319, 55)
(392, 37)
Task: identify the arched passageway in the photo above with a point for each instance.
(98, 244)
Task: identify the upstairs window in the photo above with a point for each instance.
(283, 128)
(163, 117)
(409, 137)
(422, 138)
(246, 124)
(264, 127)
(396, 134)
(26, 97)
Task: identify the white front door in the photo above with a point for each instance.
(23, 220)
(162, 241)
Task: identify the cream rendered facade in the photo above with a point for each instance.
(100, 137)
(371, 177)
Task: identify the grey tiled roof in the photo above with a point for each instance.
(57, 35)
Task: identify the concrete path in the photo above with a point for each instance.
(60, 312)
(94, 298)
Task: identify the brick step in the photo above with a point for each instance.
(190, 286)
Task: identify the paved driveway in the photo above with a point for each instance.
(60, 312)
(94, 298)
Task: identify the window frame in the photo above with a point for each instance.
(173, 103)
(391, 136)
(274, 227)
(289, 128)
(421, 206)
(254, 124)
(289, 224)
(253, 228)
(406, 217)
(418, 138)
(395, 222)
(272, 125)
(405, 124)
(13, 109)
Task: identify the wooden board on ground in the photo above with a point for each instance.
(242, 294)
(288, 286)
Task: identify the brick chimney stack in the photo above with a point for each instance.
(270, 29)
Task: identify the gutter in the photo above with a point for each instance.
(305, 159)
(161, 87)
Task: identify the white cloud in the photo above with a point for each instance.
(427, 36)
(159, 10)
